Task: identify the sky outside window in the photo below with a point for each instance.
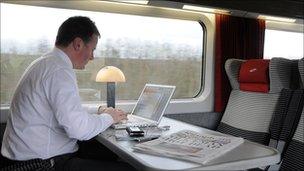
(147, 49)
(283, 44)
(23, 25)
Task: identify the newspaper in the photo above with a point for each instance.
(189, 145)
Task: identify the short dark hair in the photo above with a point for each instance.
(78, 26)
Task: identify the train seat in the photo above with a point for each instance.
(293, 134)
(288, 102)
(256, 86)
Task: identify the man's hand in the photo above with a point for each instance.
(116, 114)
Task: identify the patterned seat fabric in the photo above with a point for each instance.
(31, 165)
(249, 111)
(287, 104)
(293, 158)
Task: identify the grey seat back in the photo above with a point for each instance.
(293, 158)
(287, 101)
(248, 114)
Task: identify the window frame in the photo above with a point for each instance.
(204, 100)
(283, 26)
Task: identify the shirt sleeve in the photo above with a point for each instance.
(91, 108)
(62, 93)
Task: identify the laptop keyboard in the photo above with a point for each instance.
(133, 122)
(136, 122)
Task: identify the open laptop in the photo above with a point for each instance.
(150, 107)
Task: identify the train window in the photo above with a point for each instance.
(146, 49)
(285, 44)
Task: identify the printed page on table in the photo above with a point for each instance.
(190, 145)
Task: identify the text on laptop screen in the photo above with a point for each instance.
(152, 101)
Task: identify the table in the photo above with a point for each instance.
(247, 155)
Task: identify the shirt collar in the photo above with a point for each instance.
(63, 56)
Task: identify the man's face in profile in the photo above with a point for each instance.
(86, 52)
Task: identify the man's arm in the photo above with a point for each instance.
(62, 93)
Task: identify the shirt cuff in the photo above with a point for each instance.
(92, 109)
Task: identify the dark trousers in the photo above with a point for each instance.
(79, 164)
(91, 156)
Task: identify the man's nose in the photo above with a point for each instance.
(92, 57)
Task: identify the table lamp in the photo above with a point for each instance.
(111, 75)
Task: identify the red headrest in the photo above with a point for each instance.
(254, 75)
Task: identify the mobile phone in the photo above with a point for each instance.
(135, 131)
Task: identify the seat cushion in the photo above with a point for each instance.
(294, 157)
(254, 76)
(250, 111)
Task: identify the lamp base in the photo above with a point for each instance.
(111, 94)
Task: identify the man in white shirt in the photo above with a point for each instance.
(46, 116)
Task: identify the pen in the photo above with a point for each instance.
(142, 139)
(164, 128)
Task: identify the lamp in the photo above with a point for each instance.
(110, 75)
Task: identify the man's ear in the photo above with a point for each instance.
(78, 44)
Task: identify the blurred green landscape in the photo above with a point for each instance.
(147, 49)
(184, 74)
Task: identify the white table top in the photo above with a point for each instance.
(247, 155)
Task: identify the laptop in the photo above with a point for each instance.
(150, 107)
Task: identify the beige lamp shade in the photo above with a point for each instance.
(110, 74)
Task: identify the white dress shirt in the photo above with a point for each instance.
(46, 116)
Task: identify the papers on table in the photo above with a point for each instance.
(189, 145)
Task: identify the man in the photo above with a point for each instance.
(46, 116)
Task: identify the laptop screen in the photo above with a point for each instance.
(153, 101)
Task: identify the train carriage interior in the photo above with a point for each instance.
(238, 67)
